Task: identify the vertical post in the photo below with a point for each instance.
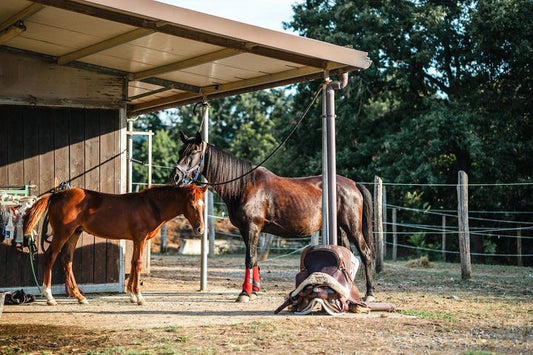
(394, 234)
(150, 134)
(130, 155)
(163, 245)
(464, 232)
(378, 198)
(332, 166)
(314, 239)
(331, 160)
(443, 242)
(325, 160)
(519, 246)
(204, 246)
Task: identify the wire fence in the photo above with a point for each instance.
(495, 235)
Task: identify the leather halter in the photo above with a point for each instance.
(195, 169)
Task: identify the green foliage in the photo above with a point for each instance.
(449, 89)
(428, 315)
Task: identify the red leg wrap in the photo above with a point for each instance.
(247, 285)
(256, 282)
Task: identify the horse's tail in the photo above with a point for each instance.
(368, 217)
(34, 213)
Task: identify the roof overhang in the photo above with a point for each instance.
(168, 56)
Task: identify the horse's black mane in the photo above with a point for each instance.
(222, 167)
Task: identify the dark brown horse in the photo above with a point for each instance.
(287, 207)
(134, 216)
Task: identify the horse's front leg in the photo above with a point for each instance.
(50, 257)
(250, 286)
(135, 273)
(67, 259)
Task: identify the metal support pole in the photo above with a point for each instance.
(324, 160)
(331, 166)
(130, 155)
(331, 159)
(205, 133)
(163, 245)
(150, 134)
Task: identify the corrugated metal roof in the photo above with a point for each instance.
(169, 55)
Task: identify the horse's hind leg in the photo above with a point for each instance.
(366, 255)
(67, 257)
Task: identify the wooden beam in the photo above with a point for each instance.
(103, 45)
(148, 93)
(181, 100)
(21, 15)
(187, 63)
(148, 106)
(172, 84)
(252, 82)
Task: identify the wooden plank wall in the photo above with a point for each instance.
(43, 146)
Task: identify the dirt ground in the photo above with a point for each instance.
(491, 313)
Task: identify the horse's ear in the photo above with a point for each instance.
(183, 137)
(198, 139)
(204, 188)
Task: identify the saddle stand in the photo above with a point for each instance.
(325, 280)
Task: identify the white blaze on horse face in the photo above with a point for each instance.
(201, 203)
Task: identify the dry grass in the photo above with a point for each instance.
(491, 313)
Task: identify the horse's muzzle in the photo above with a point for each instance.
(199, 230)
(176, 177)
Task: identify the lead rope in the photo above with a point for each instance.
(315, 96)
(33, 248)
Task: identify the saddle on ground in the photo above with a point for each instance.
(326, 279)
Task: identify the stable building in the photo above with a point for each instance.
(73, 72)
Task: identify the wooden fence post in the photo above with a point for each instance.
(378, 198)
(394, 235)
(444, 238)
(464, 233)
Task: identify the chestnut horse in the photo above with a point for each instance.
(261, 201)
(133, 216)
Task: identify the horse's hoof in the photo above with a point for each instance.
(243, 298)
(253, 296)
(370, 298)
(133, 299)
(83, 301)
(141, 302)
(51, 302)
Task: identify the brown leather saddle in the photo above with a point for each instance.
(326, 280)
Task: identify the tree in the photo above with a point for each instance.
(450, 88)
